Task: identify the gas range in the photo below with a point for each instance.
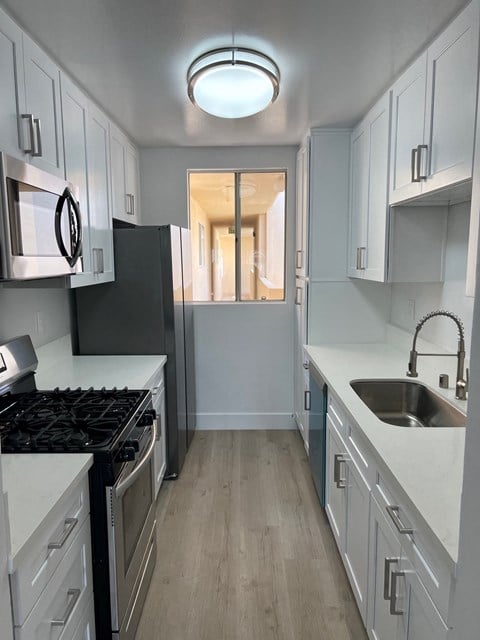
(117, 426)
(70, 420)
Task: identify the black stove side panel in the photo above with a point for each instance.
(99, 535)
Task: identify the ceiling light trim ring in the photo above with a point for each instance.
(196, 70)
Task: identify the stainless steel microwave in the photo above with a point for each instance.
(40, 223)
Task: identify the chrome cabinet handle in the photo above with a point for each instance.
(340, 482)
(421, 176)
(298, 296)
(306, 365)
(70, 524)
(393, 596)
(386, 577)
(363, 252)
(133, 204)
(299, 260)
(414, 165)
(393, 512)
(38, 153)
(358, 259)
(307, 400)
(31, 129)
(130, 204)
(98, 261)
(74, 594)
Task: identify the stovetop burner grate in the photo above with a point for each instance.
(65, 420)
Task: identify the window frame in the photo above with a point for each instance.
(238, 226)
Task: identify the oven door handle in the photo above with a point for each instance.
(122, 487)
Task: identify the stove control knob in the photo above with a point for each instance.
(147, 419)
(133, 444)
(128, 453)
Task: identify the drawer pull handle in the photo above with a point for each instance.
(338, 458)
(74, 594)
(393, 512)
(386, 577)
(394, 611)
(70, 524)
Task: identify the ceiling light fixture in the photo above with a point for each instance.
(233, 82)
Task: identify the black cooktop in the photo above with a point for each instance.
(70, 420)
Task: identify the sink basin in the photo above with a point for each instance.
(405, 403)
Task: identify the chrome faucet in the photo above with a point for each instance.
(461, 386)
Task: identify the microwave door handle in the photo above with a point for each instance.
(125, 484)
(67, 196)
(75, 229)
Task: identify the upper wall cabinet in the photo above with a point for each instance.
(368, 194)
(434, 105)
(12, 94)
(42, 102)
(125, 177)
(30, 115)
(301, 235)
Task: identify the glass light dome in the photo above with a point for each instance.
(233, 82)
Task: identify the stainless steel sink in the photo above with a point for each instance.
(404, 403)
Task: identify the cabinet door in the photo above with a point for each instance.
(42, 91)
(75, 116)
(335, 485)
(302, 208)
(420, 619)
(356, 534)
(408, 111)
(12, 95)
(300, 339)
(451, 101)
(118, 173)
(101, 235)
(384, 557)
(132, 180)
(378, 145)
(358, 201)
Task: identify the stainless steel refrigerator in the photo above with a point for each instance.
(148, 310)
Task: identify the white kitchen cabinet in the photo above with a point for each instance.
(434, 105)
(75, 107)
(124, 177)
(302, 209)
(369, 199)
(301, 362)
(474, 217)
(98, 159)
(157, 388)
(86, 627)
(335, 484)
(42, 101)
(12, 95)
(384, 556)
(356, 533)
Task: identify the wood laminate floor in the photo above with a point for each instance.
(244, 550)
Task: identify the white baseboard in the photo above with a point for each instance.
(216, 421)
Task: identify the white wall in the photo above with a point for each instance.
(43, 314)
(244, 351)
(448, 295)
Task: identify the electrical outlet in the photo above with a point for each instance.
(411, 310)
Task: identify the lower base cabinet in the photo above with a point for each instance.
(347, 506)
(86, 628)
(401, 587)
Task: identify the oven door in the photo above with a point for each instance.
(41, 230)
(131, 539)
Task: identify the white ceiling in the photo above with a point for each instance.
(335, 57)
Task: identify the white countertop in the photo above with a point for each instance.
(34, 483)
(427, 464)
(58, 368)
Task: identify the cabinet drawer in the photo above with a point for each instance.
(337, 414)
(86, 627)
(358, 451)
(430, 568)
(48, 549)
(59, 609)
